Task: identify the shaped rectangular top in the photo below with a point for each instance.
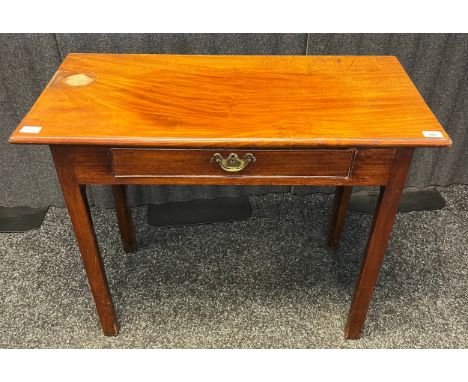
(231, 101)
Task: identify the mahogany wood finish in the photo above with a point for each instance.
(268, 163)
(159, 119)
(93, 165)
(340, 207)
(387, 206)
(231, 101)
(124, 218)
(77, 204)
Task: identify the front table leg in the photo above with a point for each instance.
(387, 207)
(78, 209)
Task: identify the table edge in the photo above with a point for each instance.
(232, 143)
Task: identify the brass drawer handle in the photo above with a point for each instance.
(233, 163)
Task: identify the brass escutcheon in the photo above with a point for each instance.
(233, 163)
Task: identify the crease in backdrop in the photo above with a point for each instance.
(437, 64)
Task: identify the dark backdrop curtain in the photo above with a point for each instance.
(437, 63)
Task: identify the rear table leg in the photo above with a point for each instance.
(340, 207)
(124, 218)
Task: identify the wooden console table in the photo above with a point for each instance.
(231, 120)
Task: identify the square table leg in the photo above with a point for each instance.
(78, 209)
(340, 207)
(384, 216)
(124, 218)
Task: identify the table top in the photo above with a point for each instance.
(231, 101)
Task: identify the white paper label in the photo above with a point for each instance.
(31, 129)
(432, 134)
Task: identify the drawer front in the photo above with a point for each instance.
(221, 163)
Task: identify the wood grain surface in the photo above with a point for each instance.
(231, 101)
